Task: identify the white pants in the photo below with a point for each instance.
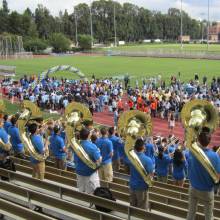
(88, 184)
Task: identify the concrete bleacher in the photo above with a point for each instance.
(165, 199)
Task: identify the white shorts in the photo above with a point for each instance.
(88, 184)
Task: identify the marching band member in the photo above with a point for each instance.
(138, 187)
(163, 161)
(4, 139)
(7, 123)
(37, 141)
(202, 185)
(117, 144)
(87, 178)
(106, 149)
(16, 142)
(179, 166)
(57, 145)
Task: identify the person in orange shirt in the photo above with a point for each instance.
(120, 105)
(145, 108)
(139, 100)
(153, 107)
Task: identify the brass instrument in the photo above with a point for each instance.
(195, 115)
(131, 125)
(76, 114)
(4, 146)
(30, 113)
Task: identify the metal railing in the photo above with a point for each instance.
(157, 194)
(14, 211)
(65, 199)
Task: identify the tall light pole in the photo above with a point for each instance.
(76, 28)
(91, 26)
(115, 26)
(208, 28)
(181, 25)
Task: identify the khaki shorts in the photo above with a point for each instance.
(106, 172)
(38, 170)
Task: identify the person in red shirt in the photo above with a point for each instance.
(131, 104)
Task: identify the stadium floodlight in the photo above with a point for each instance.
(76, 29)
(181, 25)
(91, 24)
(115, 26)
(208, 25)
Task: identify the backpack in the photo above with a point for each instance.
(105, 193)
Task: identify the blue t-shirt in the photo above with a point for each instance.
(4, 138)
(149, 151)
(162, 165)
(15, 139)
(106, 149)
(94, 154)
(136, 180)
(117, 144)
(38, 144)
(198, 176)
(7, 125)
(57, 146)
(123, 155)
(179, 171)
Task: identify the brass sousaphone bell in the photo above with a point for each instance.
(132, 125)
(30, 113)
(75, 114)
(195, 115)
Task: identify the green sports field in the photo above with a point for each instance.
(103, 66)
(213, 48)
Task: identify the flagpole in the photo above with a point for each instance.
(181, 25)
(91, 26)
(115, 26)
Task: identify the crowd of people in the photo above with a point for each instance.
(154, 96)
(160, 156)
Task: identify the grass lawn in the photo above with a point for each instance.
(213, 48)
(117, 66)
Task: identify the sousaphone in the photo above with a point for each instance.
(132, 125)
(75, 114)
(195, 115)
(30, 114)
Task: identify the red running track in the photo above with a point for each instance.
(160, 127)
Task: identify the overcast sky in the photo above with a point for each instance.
(196, 8)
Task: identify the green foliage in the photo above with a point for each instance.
(85, 42)
(35, 45)
(133, 23)
(59, 42)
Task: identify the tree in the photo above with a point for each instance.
(59, 42)
(85, 42)
(43, 20)
(4, 14)
(35, 45)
